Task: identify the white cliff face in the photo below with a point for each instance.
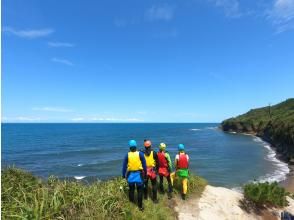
(222, 204)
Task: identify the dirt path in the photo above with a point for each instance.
(215, 203)
(187, 209)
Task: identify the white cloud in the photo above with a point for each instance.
(164, 13)
(106, 119)
(29, 33)
(52, 109)
(282, 15)
(231, 7)
(60, 44)
(22, 119)
(63, 61)
(117, 119)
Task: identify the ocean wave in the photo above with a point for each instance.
(80, 164)
(79, 177)
(258, 140)
(206, 128)
(282, 169)
(211, 128)
(247, 134)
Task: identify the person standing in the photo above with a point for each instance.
(152, 168)
(133, 166)
(182, 168)
(164, 168)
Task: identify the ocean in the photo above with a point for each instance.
(96, 151)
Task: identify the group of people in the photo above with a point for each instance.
(141, 166)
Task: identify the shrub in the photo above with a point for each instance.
(269, 194)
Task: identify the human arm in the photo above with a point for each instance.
(170, 166)
(124, 167)
(155, 157)
(143, 161)
(176, 161)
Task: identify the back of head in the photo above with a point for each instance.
(147, 143)
(162, 146)
(133, 145)
(181, 147)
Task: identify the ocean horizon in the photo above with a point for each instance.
(95, 151)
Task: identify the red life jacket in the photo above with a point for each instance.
(183, 161)
(162, 162)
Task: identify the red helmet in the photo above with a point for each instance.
(147, 143)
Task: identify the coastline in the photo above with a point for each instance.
(288, 182)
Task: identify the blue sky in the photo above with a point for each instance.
(144, 61)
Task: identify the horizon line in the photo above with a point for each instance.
(110, 122)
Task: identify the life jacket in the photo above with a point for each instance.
(162, 161)
(183, 161)
(134, 162)
(150, 162)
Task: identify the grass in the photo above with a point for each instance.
(25, 196)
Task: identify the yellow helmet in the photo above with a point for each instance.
(162, 146)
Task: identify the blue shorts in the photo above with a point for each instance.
(135, 177)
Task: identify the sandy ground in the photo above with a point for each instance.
(223, 204)
(289, 182)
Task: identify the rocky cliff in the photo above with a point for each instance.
(275, 124)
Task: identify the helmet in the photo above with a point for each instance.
(162, 146)
(147, 143)
(181, 147)
(132, 143)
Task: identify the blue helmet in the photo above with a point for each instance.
(181, 147)
(132, 143)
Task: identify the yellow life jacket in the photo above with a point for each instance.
(134, 162)
(150, 162)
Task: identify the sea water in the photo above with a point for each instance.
(96, 151)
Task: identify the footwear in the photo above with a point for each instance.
(169, 196)
(183, 196)
(141, 209)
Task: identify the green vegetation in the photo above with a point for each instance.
(273, 123)
(269, 194)
(25, 196)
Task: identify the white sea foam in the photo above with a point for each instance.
(195, 129)
(79, 165)
(233, 132)
(258, 139)
(79, 177)
(247, 134)
(237, 189)
(212, 128)
(282, 169)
